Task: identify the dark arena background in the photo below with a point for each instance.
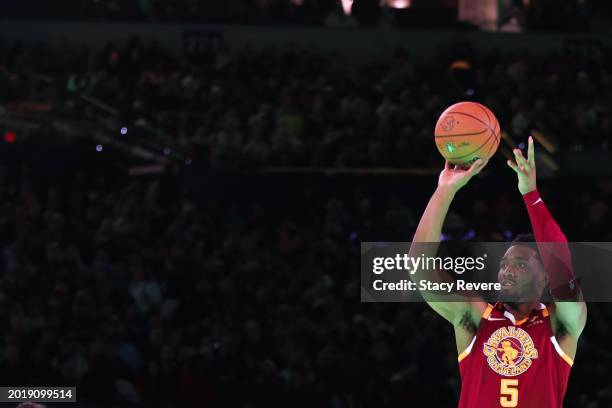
(184, 186)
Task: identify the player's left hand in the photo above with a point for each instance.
(525, 168)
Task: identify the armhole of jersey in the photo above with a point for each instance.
(560, 351)
(553, 340)
(467, 350)
(485, 315)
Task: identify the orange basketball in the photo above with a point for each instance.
(467, 131)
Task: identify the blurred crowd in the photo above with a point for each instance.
(141, 294)
(247, 109)
(245, 293)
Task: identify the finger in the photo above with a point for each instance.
(447, 165)
(476, 167)
(513, 166)
(520, 160)
(531, 152)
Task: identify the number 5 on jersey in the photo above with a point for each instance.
(509, 392)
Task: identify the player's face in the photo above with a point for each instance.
(520, 273)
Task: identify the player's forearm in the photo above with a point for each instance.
(453, 307)
(430, 226)
(427, 235)
(552, 243)
(544, 226)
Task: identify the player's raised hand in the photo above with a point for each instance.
(525, 168)
(455, 177)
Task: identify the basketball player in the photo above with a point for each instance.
(514, 354)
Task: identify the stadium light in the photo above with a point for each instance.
(347, 5)
(399, 4)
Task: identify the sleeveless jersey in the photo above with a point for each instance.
(513, 363)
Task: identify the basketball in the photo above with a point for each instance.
(467, 131)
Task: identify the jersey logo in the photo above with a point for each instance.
(510, 351)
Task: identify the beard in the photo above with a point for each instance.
(515, 298)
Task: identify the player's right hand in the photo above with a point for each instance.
(455, 177)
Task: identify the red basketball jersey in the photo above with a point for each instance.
(513, 363)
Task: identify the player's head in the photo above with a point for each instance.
(521, 273)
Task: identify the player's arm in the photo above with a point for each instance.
(570, 309)
(451, 180)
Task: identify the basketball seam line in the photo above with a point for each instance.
(464, 134)
(473, 117)
(484, 110)
(491, 141)
(492, 144)
(476, 149)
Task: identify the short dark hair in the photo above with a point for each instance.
(527, 240)
(524, 238)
